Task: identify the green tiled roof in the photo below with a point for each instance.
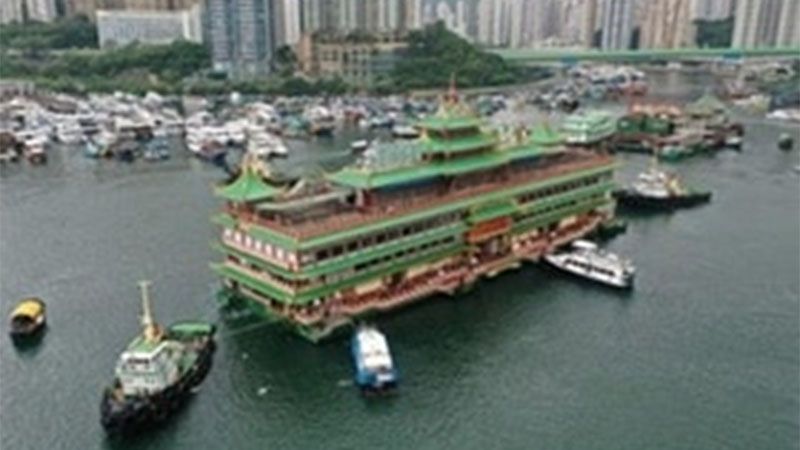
(364, 179)
(459, 144)
(450, 207)
(248, 187)
(439, 123)
(290, 243)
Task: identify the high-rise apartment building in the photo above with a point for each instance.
(765, 23)
(667, 24)
(241, 35)
(617, 24)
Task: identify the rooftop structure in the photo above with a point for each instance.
(119, 27)
(406, 221)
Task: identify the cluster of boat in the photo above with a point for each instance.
(162, 366)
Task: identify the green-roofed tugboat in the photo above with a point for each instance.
(156, 373)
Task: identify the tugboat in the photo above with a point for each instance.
(657, 189)
(375, 371)
(27, 320)
(586, 260)
(156, 373)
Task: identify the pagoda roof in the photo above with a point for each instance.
(452, 115)
(248, 187)
(362, 178)
(440, 123)
(459, 144)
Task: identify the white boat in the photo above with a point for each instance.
(359, 146)
(374, 369)
(69, 132)
(401, 131)
(586, 260)
(264, 144)
(792, 115)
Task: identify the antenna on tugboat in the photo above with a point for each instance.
(149, 325)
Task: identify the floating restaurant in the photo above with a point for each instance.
(409, 220)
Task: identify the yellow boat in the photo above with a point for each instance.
(27, 319)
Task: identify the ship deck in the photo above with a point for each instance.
(300, 228)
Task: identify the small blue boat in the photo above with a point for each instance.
(375, 370)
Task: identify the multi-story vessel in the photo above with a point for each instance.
(588, 127)
(410, 219)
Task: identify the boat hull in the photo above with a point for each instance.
(121, 416)
(27, 335)
(632, 200)
(617, 282)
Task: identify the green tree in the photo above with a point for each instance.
(434, 54)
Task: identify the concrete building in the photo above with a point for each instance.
(89, 8)
(712, 9)
(578, 22)
(757, 22)
(120, 27)
(355, 62)
(27, 11)
(788, 34)
(617, 24)
(11, 11)
(287, 22)
(241, 35)
(667, 24)
(413, 14)
(445, 14)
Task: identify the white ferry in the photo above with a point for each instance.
(586, 260)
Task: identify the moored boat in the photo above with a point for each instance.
(401, 131)
(27, 319)
(588, 128)
(657, 189)
(359, 145)
(374, 368)
(586, 260)
(157, 372)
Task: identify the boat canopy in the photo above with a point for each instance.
(31, 307)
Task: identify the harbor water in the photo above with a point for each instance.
(704, 353)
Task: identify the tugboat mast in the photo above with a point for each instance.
(150, 328)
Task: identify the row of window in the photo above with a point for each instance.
(379, 238)
(561, 188)
(273, 252)
(366, 266)
(557, 207)
(590, 268)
